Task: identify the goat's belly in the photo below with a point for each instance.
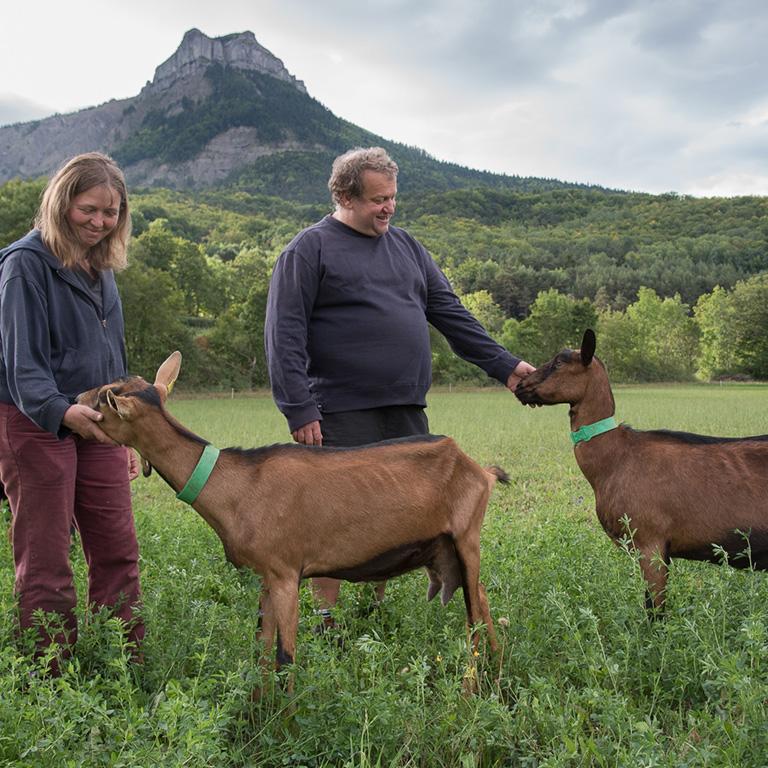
(740, 549)
(393, 562)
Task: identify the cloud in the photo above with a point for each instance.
(654, 95)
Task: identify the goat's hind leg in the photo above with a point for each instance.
(475, 600)
(475, 597)
(485, 612)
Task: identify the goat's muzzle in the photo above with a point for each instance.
(527, 394)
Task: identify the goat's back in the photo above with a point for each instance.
(681, 486)
(379, 497)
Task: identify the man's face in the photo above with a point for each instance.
(370, 213)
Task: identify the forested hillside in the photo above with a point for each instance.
(676, 286)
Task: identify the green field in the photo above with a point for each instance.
(582, 678)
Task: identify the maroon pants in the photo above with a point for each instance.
(51, 485)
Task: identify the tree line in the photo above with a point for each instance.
(676, 288)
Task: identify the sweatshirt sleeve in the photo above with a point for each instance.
(465, 334)
(27, 353)
(292, 291)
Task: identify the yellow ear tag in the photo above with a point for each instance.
(169, 388)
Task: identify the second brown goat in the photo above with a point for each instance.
(291, 511)
(684, 495)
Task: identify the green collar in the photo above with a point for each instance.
(200, 475)
(588, 431)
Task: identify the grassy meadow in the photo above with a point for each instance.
(582, 679)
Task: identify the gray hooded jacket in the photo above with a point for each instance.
(55, 341)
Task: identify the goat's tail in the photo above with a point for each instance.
(499, 474)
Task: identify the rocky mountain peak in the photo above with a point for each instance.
(198, 51)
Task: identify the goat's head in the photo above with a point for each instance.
(563, 379)
(123, 402)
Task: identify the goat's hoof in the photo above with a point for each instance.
(369, 604)
(469, 684)
(326, 624)
(329, 629)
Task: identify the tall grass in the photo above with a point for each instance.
(582, 678)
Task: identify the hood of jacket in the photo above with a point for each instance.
(32, 241)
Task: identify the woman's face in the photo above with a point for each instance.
(93, 214)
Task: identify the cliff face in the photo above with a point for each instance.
(38, 148)
(239, 51)
(29, 150)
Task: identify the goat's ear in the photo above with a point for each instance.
(168, 372)
(122, 406)
(588, 344)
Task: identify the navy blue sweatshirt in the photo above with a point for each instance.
(55, 341)
(347, 323)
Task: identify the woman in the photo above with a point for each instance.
(61, 333)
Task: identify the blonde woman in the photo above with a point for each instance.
(61, 333)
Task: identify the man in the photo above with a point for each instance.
(347, 336)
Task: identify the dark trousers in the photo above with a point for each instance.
(352, 428)
(53, 485)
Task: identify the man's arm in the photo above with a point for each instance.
(466, 335)
(292, 292)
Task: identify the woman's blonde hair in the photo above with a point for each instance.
(78, 175)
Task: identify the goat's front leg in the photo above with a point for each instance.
(278, 611)
(284, 596)
(654, 563)
(265, 634)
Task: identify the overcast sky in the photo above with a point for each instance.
(649, 95)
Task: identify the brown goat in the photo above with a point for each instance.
(291, 511)
(685, 495)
